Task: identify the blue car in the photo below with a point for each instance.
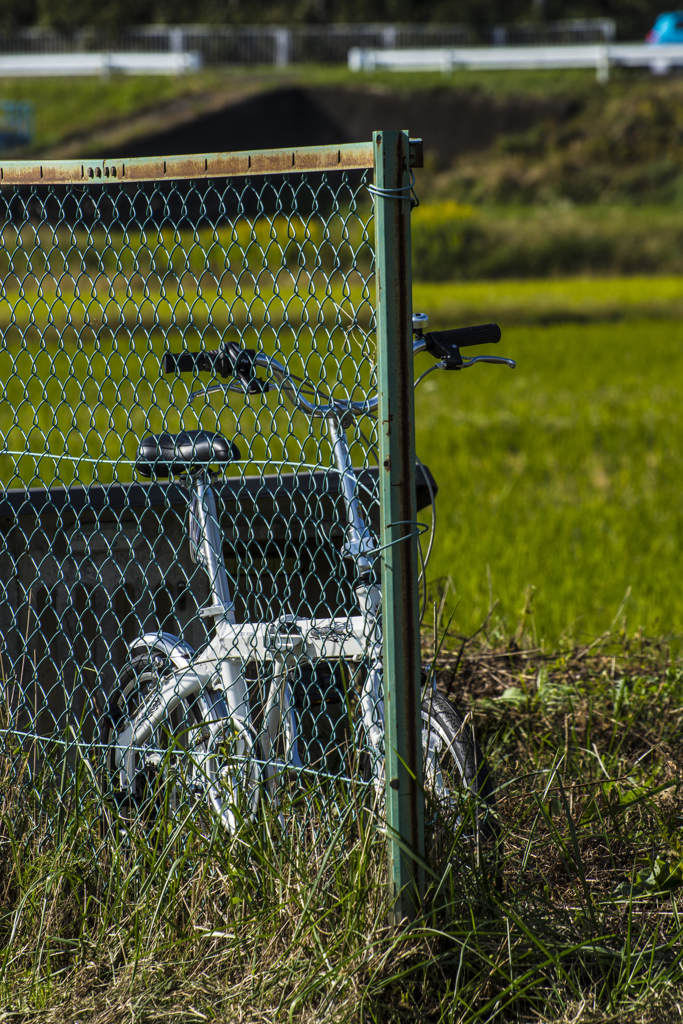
(668, 28)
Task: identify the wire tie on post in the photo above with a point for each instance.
(397, 193)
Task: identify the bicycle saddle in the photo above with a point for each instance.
(162, 454)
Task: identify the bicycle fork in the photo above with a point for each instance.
(360, 546)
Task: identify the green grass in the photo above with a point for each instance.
(550, 300)
(563, 475)
(618, 145)
(67, 107)
(554, 82)
(85, 324)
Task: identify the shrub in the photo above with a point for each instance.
(442, 235)
(453, 241)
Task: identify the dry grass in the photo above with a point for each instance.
(572, 915)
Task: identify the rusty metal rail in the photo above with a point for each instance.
(349, 157)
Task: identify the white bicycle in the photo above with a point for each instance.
(189, 726)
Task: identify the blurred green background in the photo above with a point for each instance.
(560, 483)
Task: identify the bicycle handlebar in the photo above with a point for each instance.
(484, 334)
(233, 361)
(229, 361)
(446, 345)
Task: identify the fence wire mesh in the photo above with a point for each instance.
(180, 362)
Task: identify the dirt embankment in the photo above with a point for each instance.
(452, 123)
(619, 145)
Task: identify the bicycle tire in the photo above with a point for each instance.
(458, 785)
(189, 760)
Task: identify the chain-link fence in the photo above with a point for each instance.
(190, 547)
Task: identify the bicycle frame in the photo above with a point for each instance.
(218, 670)
(214, 680)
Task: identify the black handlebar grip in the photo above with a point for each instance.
(187, 362)
(484, 334)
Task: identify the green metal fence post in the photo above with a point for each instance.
(400, 616)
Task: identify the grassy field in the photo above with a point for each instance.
(96, 112)
(68, 107)
(563, 475)
(452, 241)
(559, 516)
(611, 147)
(550, 301)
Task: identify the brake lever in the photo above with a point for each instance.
(488, 359)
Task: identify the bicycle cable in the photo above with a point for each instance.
(436, 366)
(425, 559)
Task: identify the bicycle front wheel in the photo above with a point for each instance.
(195, 757)
(457, 780)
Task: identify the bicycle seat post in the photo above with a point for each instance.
(210, 541)
(359, 541)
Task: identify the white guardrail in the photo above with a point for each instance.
(299, 44)
(601, 56)
(35, 65)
